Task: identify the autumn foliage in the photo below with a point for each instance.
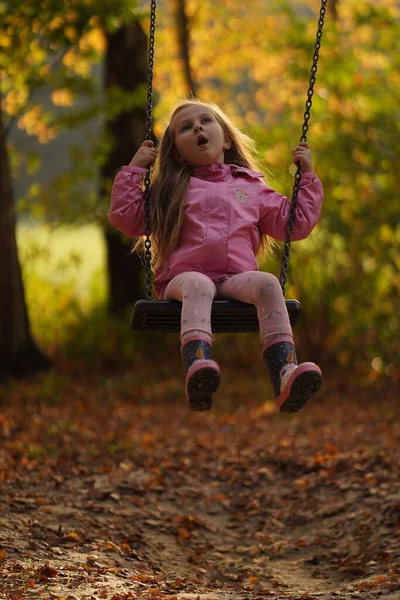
(255, 64)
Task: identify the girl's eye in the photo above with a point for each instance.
(207, 119)
(186, 127)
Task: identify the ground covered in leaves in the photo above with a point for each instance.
(111, 489)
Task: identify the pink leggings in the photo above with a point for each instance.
(197, 292)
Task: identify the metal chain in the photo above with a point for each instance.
(293, 205)
(149, 127)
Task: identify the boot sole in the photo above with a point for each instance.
(301, 388)
(202, 381)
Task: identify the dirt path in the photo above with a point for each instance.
(107, 494)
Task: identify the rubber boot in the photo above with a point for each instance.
(202, 374)
(293, 384)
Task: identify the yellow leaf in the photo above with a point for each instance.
(71, 33)
(62, 97)
(97, 40)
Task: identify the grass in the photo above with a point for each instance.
(64, 277)
(73, 255)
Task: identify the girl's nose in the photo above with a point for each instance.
(197, 128)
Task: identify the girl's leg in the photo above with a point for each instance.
(264, 291)
(196, 292)
(293, 384)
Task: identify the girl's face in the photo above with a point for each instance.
(199, 138)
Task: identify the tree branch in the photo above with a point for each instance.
(182, 28)
(32, 92)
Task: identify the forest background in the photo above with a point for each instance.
(79, 69)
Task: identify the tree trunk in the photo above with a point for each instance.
(19, 355)
(125, 67)
(182, 29)
(333, 9)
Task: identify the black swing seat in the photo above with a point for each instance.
(226, 317)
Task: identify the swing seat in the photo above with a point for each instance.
(226, 317)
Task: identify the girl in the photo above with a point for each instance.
(210, 214)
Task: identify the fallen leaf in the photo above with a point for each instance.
(47, 571)
(183, 533)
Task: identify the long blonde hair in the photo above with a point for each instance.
(170, 182)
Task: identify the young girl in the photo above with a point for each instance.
(210, 214)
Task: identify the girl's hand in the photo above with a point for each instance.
(302, 155)
(145, 156)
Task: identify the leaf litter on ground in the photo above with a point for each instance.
(124, 497)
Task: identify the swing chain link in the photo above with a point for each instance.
(293, 205)
(149, 127)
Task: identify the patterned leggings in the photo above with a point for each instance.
(197, 291)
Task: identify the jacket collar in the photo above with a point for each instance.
(221, 170)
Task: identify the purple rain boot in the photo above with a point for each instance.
(202, 374)
(293, 384)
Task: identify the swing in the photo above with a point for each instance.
(227, 316)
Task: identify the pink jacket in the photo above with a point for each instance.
(226, 208)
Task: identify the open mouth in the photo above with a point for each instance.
(202, 141)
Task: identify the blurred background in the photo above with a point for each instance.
(73, 95)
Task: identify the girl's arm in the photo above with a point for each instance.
(127, 197)
(127, 202)
(274, 209)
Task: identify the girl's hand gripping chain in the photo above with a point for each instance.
(145, 156)
(302, 155)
